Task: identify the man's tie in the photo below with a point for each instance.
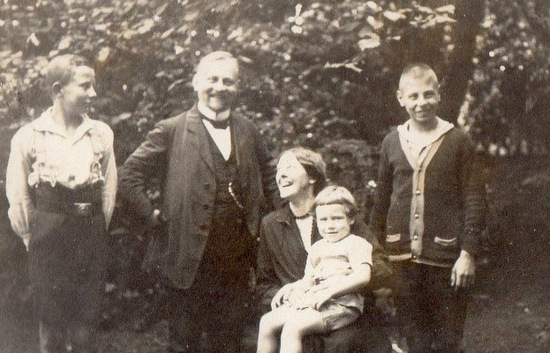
(217, 124)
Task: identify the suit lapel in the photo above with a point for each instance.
(198, 137)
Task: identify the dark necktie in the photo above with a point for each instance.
(217, 124)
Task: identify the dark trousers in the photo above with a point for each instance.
(67, 262)
(210, 316)
(431, 313)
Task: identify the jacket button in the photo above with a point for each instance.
(417, 191)
(415, 237)
(416, 215)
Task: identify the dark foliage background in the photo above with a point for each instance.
(320, 74)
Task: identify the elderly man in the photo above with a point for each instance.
(216, 181)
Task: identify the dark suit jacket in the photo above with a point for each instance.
(177, 151)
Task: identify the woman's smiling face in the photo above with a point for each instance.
(292, 178)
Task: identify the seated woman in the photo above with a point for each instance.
(286, 237)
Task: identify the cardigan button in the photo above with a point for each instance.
(417, 191)
(416, 215)
(415, 237)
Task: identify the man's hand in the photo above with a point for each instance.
(464, 270)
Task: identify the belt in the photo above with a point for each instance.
(82, 209)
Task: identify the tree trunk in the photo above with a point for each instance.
(469, 14)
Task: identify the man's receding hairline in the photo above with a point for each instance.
(216, 57)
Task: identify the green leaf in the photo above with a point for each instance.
(424, 9)
(444, 19)
(167, 33)
(450, 9)
(371, 42)
(103, 54)
(394, 16)
(375, 23)
(65, 43)
(374, 6)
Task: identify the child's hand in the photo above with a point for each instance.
(299, 298)
(282, 295)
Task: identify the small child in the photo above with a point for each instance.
(337, 269)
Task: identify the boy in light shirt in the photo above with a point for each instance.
(61, 184)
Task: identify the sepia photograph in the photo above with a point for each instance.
(274, 176)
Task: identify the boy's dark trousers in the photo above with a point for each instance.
(67, 264)
(431, 313)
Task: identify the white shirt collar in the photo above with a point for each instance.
(210, 114)
(442, 128)
(46, 123)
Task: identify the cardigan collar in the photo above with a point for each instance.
(442, 128)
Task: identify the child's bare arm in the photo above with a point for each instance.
(352, 283)
(284, 294)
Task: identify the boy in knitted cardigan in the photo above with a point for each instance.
(428, 213)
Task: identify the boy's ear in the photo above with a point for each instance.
(56, 88)
(399, 96)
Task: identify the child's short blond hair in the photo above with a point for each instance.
(337, 195)
(417, 71)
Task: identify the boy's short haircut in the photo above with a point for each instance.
(416, 70)
(314, 165)
(337, 195)
(215, 56)
(62, 69)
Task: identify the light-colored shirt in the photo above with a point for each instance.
(305, 226)
(65, 160)
(221, 137)
(328, 262)
(416, 143)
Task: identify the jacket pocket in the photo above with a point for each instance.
(393, 238)
(445, 242)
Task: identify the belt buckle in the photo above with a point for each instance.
(83, 208)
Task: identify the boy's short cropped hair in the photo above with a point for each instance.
(337, 195)
(62, 69)
(313, 163)
(416, 70)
